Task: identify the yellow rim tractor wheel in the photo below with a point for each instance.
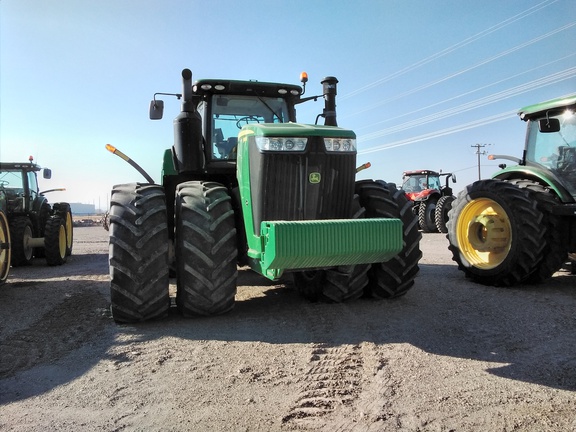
(497, 233)
(55, 241)
(484, 233)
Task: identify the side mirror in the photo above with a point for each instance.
(47, 173)
(156, 109)
(549, 125)
(453, 178)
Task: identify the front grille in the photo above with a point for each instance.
(281, 187)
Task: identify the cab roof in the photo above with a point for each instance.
(19, 166)
(260, 88)
(543, 107)
(420, 172)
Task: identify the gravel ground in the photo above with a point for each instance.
(451, 355)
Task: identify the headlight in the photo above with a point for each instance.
(281, 143)
(340, 144)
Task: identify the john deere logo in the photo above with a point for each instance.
(314, 178)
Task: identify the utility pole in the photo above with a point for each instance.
(479, 153)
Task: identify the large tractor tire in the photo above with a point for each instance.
(206, 249)
(138, 252)
(5, 248)
(65, 212)
(338, 284)
(334, 285)
(55, 241)
(21, 233)
(443, 207)
(496, 233)
(394, 277)
(40, 222)
(555, 253)
(427, 215)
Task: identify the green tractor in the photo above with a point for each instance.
(36, 228)
(520, 226)
(245, 185)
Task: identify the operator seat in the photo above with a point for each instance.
(227, 148)
(566, 159)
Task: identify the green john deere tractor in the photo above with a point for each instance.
(520, 226)
(36, 228)
(244, 184)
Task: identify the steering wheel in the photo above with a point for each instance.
(247, 120)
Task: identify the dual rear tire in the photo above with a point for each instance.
(205, 243)
(433, 214)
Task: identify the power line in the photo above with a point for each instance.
(447, 131)
(496, 97)
(468, 69)
(452, 48)
(427, 108)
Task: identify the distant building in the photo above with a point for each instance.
(83, 209)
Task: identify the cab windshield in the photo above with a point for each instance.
(556, 151)
(231, 112)
(420, 182)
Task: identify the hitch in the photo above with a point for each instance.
(138, 168)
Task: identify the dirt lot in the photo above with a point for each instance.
(449, 356)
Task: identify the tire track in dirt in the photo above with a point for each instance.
(333, 380)
(372, 410)
(347, 385)
(61, 330)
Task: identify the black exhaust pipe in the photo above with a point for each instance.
(329, 92)
(187, 152)
(187, 91)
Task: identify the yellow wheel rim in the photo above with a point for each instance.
(62, 241)
(484, 233)
(5, 252)
(68, 230)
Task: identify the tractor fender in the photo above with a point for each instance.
(425, 195)
(544, 177)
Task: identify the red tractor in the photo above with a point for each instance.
(432, 201)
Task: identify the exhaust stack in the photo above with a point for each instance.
(329, 93)
(187, 152)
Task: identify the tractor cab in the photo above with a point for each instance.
(223, 115)
(549, 154)
(419, 184)
(551, 143)
(20, 186)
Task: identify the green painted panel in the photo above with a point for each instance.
(312, 244)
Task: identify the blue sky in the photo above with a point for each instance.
(420, 81)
